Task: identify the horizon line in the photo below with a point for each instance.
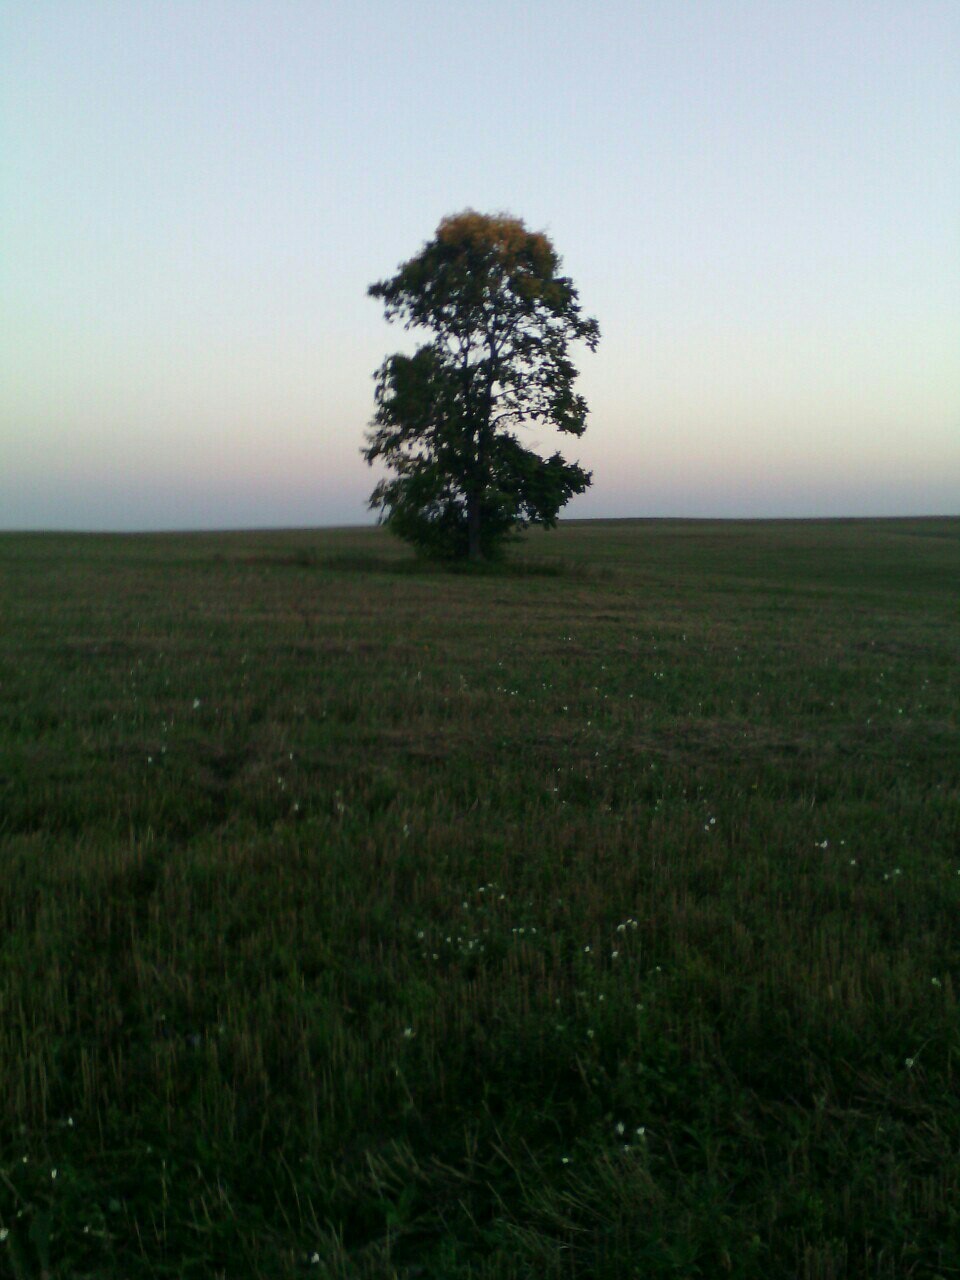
(194, 531)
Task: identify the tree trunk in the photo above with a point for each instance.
(473, 526)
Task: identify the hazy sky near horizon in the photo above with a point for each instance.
(760, 202)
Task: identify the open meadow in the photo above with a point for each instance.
(593, 916)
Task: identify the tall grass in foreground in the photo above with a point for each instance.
(597, 917)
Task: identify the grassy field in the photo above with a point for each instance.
(594, 917)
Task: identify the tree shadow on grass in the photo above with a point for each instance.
(507, 567)
(406, 566)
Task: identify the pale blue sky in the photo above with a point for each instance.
(760, 202)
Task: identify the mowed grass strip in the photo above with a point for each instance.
(591, 916)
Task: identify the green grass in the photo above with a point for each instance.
(592, 917)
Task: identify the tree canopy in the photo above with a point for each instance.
(501, 318)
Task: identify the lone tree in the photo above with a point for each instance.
(502, 319)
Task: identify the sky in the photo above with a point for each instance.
(758, 201)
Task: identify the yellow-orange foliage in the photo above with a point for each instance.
(506, 235)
